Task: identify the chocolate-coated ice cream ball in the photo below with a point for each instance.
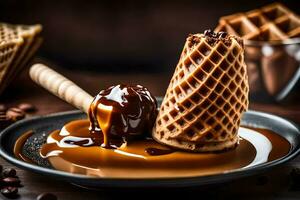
(123, 111)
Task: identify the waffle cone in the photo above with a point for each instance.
(25, 38)
(30, 35)
(269, 23)
(9, 48)
(206, 97)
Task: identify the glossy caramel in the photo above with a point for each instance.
(72, 150)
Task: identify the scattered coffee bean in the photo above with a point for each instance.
(11, 115)
(9, 192)
(46, 196)
(15, 114)
(9, 172)
(11, 181)
(3, 115)
(27, 107)
(3, 108)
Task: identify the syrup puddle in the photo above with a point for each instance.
(71, 150)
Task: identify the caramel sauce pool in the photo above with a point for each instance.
(73, 150)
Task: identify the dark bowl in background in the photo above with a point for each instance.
(139, 36)
(273, 69)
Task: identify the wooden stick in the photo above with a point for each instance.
(60, 86)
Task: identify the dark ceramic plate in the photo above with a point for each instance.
(45, 124)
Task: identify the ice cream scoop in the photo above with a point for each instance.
(121, 112)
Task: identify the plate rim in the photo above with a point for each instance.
(143, 182)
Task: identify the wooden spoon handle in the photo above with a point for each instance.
(60, 86)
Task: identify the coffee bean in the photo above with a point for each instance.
(11, 181)
(3, 116)
(46, 196)
(15, 114)
(27, 107)
(3, 108)
(9, 192)
(9, 172)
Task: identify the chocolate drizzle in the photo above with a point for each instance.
(158, 152)
(121, 113)
(213, 38)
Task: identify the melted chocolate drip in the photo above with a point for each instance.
(129, 112)
(213, 38)
(83, 142)
(158, 152)
(93, 141)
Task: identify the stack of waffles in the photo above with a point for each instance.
(270, 23)
(18, 43)
(207, 95)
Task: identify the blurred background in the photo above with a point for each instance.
(121, 36)
(111, 38)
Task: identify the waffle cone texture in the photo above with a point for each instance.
(206, 97)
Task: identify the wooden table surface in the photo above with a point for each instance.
(273, 184)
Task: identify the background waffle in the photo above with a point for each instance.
(9, 46)
(28, 39)
(206, 97)
(269, 23)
